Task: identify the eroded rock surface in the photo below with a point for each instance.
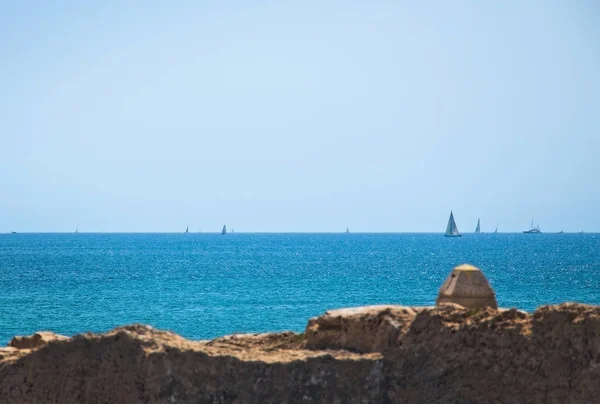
(36, 340)
(377, 354)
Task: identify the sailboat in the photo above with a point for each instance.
(77, 230)
(347, 230)
(496, 231)
(478, 228)
(451, 229)
(187, 229)
(533, 230)
(224, 230)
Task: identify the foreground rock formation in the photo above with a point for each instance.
(378, 354)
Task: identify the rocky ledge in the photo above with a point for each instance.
(377, 354)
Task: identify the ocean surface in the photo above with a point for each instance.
(206, 285)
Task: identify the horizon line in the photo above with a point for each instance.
(282, 232)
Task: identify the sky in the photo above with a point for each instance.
(299, 116)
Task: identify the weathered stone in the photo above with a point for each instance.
(362, 329)
(36, 340)
(467, 286)
(445, 354)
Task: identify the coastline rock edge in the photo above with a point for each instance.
(375, 354)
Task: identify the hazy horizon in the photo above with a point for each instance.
(304, 117)
(287, 232)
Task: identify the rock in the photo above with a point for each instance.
(467, 286)
(36, 340)
(444, 354)
(451, 354)
(139, 364)
(363, 329)
(7, 352)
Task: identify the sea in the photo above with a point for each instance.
(207, 285)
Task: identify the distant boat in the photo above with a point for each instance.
(581, 232)
(478, 228)
(224, 230)
(77, 230)
(13, 232)
(561, 232)
(187, 229)
(451, 229)
(232, 231)
(533, 230)
(347, 230)
(496, 231)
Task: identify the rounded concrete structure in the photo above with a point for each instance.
(468, 287)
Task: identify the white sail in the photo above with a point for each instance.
(451, 229)
(454, 228)
(478, 228)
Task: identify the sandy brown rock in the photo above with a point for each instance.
(377, 354)
(361, 329)
(451, 354)
(36, 340)
(138, 364)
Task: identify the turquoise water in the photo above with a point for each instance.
(206, 285)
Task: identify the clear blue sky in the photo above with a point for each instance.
(299, 116)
